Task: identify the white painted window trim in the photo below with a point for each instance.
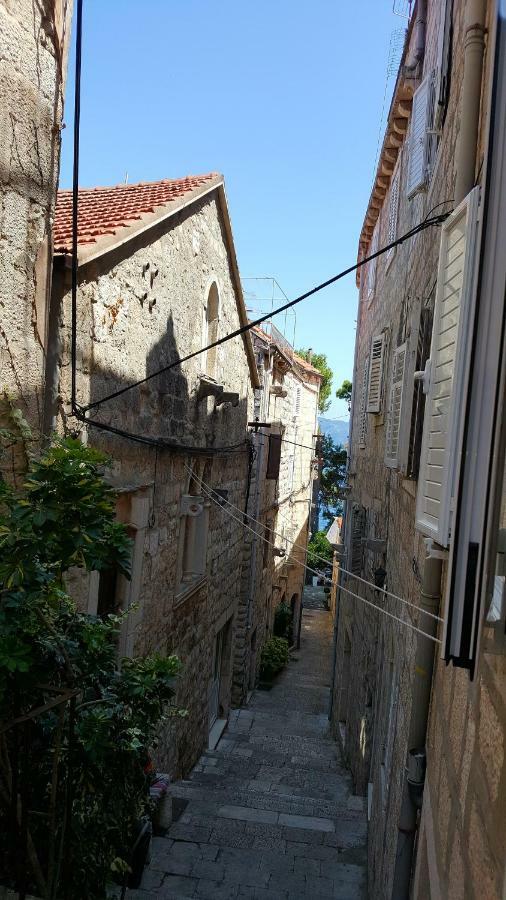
(408, 396)
(375, 376)
(439, 529)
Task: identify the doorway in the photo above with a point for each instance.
(214, 699)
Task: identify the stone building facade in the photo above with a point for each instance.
(283, 471)
(33, 61)
(158, 280)
(399, 510)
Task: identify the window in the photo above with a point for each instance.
(395, 407)
(297, 400)
(358, 517)
(421, 140)
(370, 268)
(444, 64)
(194, 512)
(110, 591)
(362, 413)
(418, 401)
(375, 377)
(274, 457)
(393, 211)
(445, 377)
(212, 323)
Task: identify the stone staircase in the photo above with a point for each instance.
(270, 813)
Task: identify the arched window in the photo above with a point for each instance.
(212, 320)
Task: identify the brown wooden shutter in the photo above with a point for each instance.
(274, 457)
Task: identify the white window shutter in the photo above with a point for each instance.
(363, 406)
(418, 136)
(395, 407)
(376, 374)
(393, 211)
(445, 379)
(371, 266)
(297, 399)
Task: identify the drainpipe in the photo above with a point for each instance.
(417, 50)
(474, 47)
(335, 636)
(474, 44)
(430, 596)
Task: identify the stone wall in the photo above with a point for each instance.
(375, 655)
(34, 42)
(141, 307)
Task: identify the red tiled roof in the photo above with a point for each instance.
(304, 364)
(102, 210)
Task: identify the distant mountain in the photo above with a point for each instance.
(338, 429)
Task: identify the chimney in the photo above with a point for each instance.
(309, 355)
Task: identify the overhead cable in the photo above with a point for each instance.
(320, 558)
(330, 582)
(426, 223)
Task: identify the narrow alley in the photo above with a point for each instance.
(270, 813)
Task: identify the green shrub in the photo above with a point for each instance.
(275, 655)
(63, 518)
(282, 621)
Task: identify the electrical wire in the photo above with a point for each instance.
(426, 223)
(282, 537)
(307, 568)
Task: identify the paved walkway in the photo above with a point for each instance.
(270, 813)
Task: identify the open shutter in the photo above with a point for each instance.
(395, 407)
(274, 458)
(445, 377)
(393, 210)
(363, 406)
(357, 533)
(376, 374)
(418, 137)
(371, 266)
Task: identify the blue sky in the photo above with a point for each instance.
(284, 98)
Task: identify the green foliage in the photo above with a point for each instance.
(63, 518)
(318, 547)
(319, 361)
(332, 473)
(344, 392)
(275, 655)
(283, 621)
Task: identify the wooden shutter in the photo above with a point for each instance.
(363, 406)
(418, 138)
(395, 407)
(357, 533)
(393, 211)
(376, 374)
(274, 457)
(296, 406)
(371, 266)
(445, 382)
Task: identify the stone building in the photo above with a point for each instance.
(280, 498)
(33, 62)
(158, 280)
(406, 699)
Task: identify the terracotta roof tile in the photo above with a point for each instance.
(102, 210)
